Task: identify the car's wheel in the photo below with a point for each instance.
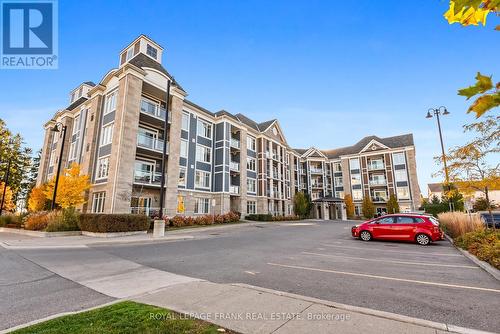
(365, 236)
(422, 239)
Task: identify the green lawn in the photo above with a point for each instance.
(123, 317)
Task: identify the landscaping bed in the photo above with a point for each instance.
(204, 220)
(270, 218)
(124, 317)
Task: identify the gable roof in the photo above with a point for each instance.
(141, 60)
(265, 125)
(76, 103)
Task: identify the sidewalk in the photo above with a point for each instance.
(239, 307)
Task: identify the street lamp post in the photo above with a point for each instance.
(164, 152)
(59, 163)
(436, 112)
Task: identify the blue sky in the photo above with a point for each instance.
(332, 72)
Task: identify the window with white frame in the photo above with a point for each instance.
(337, 167)
(73, 148)
(185, 121)
(355, 179)
(130, 54)
(354, 163)
(76, 124)
(357, 194)
(98, 200)
(339, 194)
(403, 192)
(203, 153)
(107, 134)
(102, 168)
(184, 148)
(110, 103)
(52, 160)
(202, 179)
(251, 207)
(251, 185)
(251, 143)
(338, 182)
(398, 158)
(400, 175)
(204, 129)
(151, 51)
(251, 164)
(202, 205)
(182, 176)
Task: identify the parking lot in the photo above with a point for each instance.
(322, 260)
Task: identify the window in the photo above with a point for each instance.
(404, 220)
(52, 160)
(355, 179)
(203, 153)
(400, 175)
(251, 207)
(357, 195)
(202, 205)
(202, 179)
(398, 158)
(73, 150)
(107, 134)
(102, 168)
(151, 51)
(379, 195)
(184, 148)
(251, 143)
(98, 200)
(338, 181)
(385, 220)
(403, 193)
(76, 124)
(185, 121)
(251, 185)
(251, 164)
(354, 163)
(339, 194)
(204, 129)
(337, 167)
(182, 176)
(110, 104)
(130, 54)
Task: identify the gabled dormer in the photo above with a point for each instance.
(144, 45)
(80, 91)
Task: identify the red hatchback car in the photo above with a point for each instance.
(404, 227)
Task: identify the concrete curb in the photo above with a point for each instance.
(372, 312)
(40, 234)
(112, 234)
(54, 316)
(484, 265)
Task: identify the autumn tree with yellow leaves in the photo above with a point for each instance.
(71, 187)
(37, 199)
(8, 204)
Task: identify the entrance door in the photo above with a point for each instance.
(319, 211)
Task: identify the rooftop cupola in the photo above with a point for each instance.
(144, 45)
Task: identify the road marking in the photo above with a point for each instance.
(391, 250)
(397, 262)
(251, 272)
(384, 277)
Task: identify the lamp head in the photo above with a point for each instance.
(55, 129)
(429, 115)
(446, 112)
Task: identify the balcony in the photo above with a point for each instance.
(234, 190)
(234, 166)
(379, 198)
(317, 185)
(148, 178)
(316, 170)
(150, 143)
(376, 165)
(378, 182)
(153, 109)
(235, 143)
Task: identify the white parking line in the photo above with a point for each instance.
(392, 250)
(384, 277)
(396, 262)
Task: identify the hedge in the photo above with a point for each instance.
(268, 217)
(109, 223)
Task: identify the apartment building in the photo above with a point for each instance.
(216, 161)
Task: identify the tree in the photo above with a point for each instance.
(488, 94)
(368, 207)
(300, 204)
(480, 204)
(471, 12)
(349, 205)
(38, 200)
(8, 204)
(392, 205)
(469, 165)
(71, 188)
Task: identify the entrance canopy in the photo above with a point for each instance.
(328, 200)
